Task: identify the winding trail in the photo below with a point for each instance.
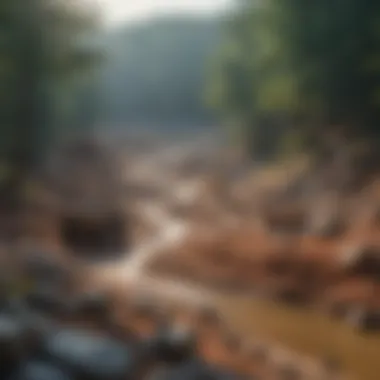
(130, 272)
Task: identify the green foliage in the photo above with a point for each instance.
(317, 61)
(40, 61)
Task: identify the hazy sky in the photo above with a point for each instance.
(135, 10)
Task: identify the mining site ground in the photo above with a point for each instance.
(181, 212)
(178, 215)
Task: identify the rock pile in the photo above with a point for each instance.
(46, 333)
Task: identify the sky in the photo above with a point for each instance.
(116, 11)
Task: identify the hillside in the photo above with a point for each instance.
(155, 71)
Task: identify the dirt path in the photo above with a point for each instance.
(129, 273)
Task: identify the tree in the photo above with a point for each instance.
(41, 61)
(315, 63)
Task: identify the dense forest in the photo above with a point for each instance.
(305, 70)
(155, 72)
(46, 56)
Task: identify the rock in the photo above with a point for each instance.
(12, 332)
(371, 321)
(194, 369)
(12, 343)
(171, 344)
(45, 300)
(38, 329)
(41, 268)
(36, 370)
(360, 260)
(18, 309)
(5, 288)
(89, 355)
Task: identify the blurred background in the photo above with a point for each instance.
(185, 148)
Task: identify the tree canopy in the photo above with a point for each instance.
(313, 63)
(43, 56)
(40, 59)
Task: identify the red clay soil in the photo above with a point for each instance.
(326, 270)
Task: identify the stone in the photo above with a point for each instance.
(45, 300)
(38, 370)
(89, 355)
(171, 344)
(195, 369)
